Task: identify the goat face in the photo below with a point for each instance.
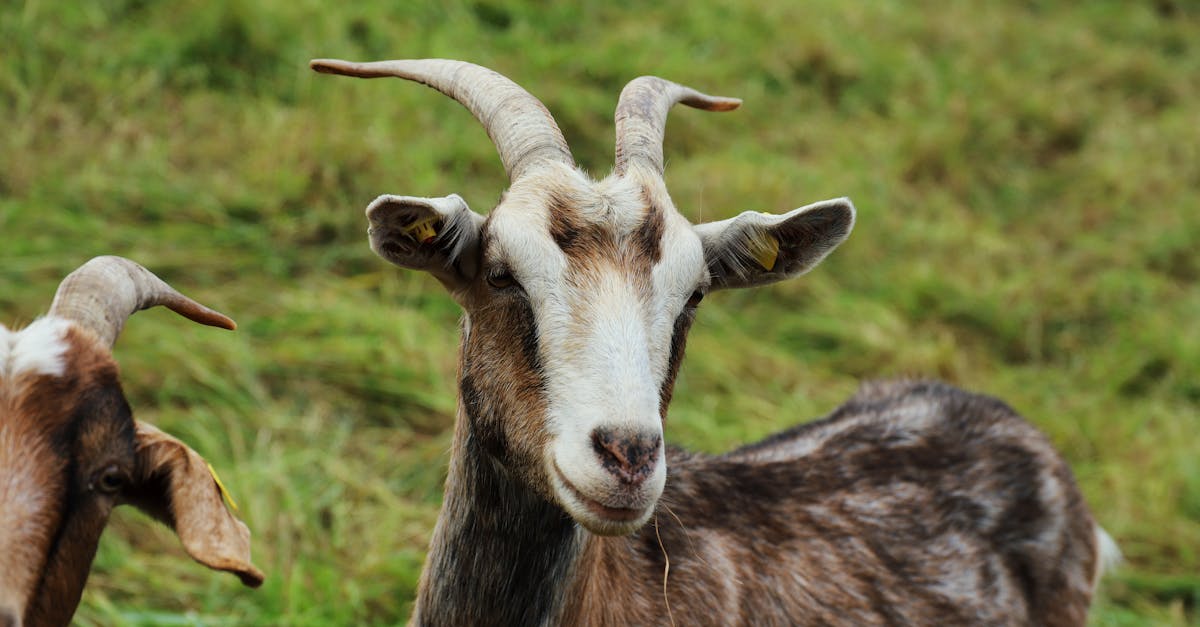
(70, 451)
(66, 453)
(578, 293)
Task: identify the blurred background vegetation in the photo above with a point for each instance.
(1027, 175)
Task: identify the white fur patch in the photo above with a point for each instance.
(604, 336)
(1110, 554)
(37, 349)
(905, 423)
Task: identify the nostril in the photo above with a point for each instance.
(631, 459)
(605, 445)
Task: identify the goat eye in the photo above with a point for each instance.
(501, 280)
(110, 480)
(697, 296)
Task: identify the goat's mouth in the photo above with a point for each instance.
(603, 519)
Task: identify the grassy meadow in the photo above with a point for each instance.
(1027, 176)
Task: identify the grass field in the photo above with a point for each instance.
(1027, 176)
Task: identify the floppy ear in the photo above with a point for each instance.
(438, 235)
(759, 248)
(175, 485)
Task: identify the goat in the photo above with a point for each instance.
(913, 503)
(70, 450)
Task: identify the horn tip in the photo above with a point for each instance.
(198, 313)
(371, 69)
(727, 104)
(711, 103)
(330, 66)
(219, 320)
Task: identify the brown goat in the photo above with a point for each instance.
(913, 504)
(70, 449)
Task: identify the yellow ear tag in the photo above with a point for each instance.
(221, 486)
(765, 249)
(422, 229)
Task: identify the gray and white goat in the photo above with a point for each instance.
(913, 503)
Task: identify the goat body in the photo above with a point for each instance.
(913, 503)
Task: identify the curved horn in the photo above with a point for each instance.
(104, 292)
(520, 125)
(642, 118)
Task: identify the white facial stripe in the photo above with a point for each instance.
(604, 344)
(600, 375)
(596, 356)
(37, 349)
(604, 336)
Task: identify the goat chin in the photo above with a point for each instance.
(604, 505)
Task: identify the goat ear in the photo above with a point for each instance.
(759, 248)
(438, 235)
(175, 485)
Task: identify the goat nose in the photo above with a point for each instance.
(629, 458)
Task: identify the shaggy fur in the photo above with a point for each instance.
(70, 451)
(913, 503)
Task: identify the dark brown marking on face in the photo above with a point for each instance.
(509, 308)
(501, 377)
(648, 238)
(578, 239)
(527, 331)
(683, 324)
(87, 424)
(100, 434)
(589, 246)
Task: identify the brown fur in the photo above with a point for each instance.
(588, 242)
(57, 420)
(590, 246)
(73, 429)
(501, 383)
(913, 503)
(683, 324)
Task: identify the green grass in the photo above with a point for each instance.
(1027, 175)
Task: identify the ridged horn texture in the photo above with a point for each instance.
(104, 292)
(641, 119)
(520, 126)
